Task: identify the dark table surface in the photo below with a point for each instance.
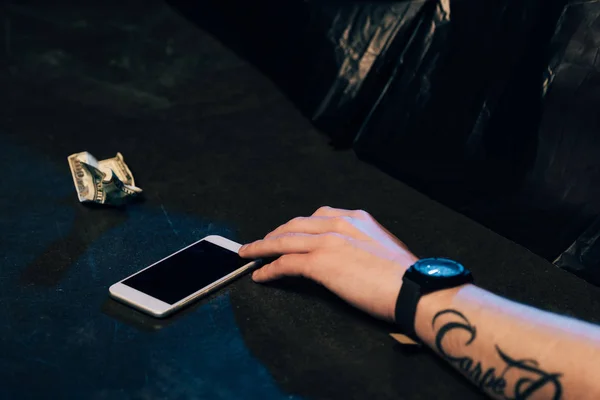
(218, 150)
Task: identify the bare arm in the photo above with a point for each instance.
(509, 350)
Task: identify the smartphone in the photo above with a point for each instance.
(182, 277)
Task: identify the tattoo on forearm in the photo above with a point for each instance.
(519, 379)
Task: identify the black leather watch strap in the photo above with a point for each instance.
(406, 308)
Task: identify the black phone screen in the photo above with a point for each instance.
(186, 272)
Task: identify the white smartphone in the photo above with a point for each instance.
(182, 277)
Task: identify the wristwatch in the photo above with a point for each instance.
(426, 276)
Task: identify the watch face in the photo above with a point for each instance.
(439, 267)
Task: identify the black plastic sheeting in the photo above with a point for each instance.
(470, 140)
(357, 48)
(569, 145)
(503, 126)
(485, 106)
(583, 257)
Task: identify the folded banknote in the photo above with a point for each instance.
(107, 181)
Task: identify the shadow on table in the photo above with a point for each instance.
(139, 320)
(298, 286)
(318, 346)
(90, 223)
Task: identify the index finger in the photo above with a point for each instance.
(280, 245)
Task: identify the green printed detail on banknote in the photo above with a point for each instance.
(107, 181)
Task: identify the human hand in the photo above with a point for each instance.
(346, 251)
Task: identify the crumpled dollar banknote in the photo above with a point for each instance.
(107, 181)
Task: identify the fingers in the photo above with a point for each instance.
(283, 244)
(318, 225)
(327, 211)
(287, 265)
(324, 220)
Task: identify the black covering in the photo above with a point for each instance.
(503, 125)
(583, 257)
(355, 51)
(471, 125)
(568, 165)
(332, 58)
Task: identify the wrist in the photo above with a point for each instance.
(404, 261)
(428, 306)
(425, 282)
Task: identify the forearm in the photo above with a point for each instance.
(510, 350)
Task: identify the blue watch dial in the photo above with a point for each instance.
(439, 267)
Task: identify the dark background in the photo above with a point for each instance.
(218, 149)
